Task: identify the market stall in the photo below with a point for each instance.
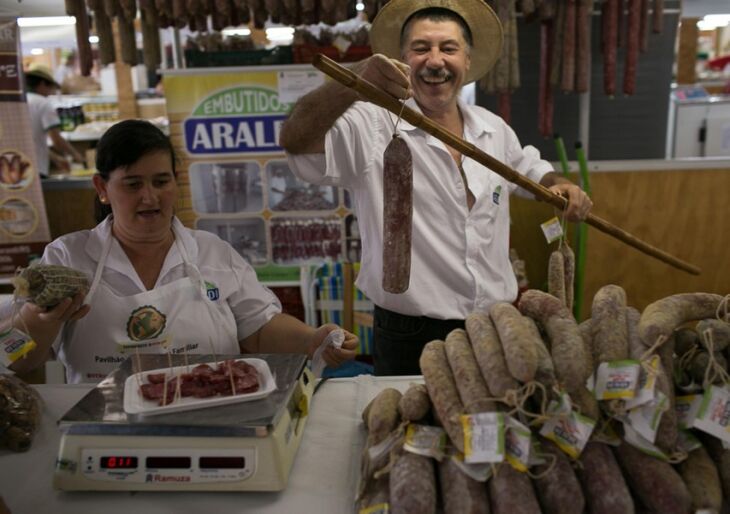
(323, 477)
(600, 384)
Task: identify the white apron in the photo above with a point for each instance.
(184, 310)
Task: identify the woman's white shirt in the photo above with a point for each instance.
(227, 276)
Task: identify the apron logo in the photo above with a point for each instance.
(145, 322)
(495, 195)
(212, 291)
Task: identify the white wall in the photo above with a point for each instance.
(699, 8)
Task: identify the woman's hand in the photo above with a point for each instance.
(331, 355)
(44, 325)
(69, 309)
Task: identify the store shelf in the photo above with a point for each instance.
(66, 182)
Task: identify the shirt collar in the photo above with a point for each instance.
(474, 126)
(118, 260)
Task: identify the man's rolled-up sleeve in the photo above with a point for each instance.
(346, 155)
(527, 161)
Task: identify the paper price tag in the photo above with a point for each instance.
(380, 508)
(334, 338)
(552, 229)
(687, 408)
(425, 440)
(535, 452)
(341, 43)
(293, 85)
(570, 433)
(714, 414)
(647, 384)
(518, 445)
(563, 406)
(378, 453)
(483, 437)
(687, 442)
(635, 439)
(478, 472)
(591, 383)
(14, 344)
(645, 418)
(617, 380)
(607, 434)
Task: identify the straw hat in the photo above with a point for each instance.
(486, 30)
(43, 72)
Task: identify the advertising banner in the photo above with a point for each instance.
(24, 229)
(225, 124)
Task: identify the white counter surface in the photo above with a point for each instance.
(323, 478)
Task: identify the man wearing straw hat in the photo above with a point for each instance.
(425, 50)
(44, 120)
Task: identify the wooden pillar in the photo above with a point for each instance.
(123, 73)
(687, 54)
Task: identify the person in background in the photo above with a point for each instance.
(425, 50)
(44, 119)
(66, 71)
(150, 276)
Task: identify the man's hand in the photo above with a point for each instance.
(579, 204)
(389, 75)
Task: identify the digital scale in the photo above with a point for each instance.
(247, 446)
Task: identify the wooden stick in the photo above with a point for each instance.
(386, 101)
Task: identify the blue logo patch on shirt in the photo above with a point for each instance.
(212, 291)
(495, 195)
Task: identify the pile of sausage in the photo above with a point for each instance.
(565, 48)
(480, 369)
(228, 378)
(193, 14)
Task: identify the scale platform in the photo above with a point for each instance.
(248, 446)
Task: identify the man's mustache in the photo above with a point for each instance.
(438, 73)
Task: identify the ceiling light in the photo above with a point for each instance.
(36, 51)
(46, 21)
(720, 20)
(236, 32)
(280, 34)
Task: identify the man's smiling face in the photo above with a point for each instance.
(439, 59)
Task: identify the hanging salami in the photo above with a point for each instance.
(397, 215)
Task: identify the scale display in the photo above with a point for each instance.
(187, 465)
(168, 462)
(117, 462)
(222, 463)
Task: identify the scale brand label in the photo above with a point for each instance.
(240, 120)
(166, 478)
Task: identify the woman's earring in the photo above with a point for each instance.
(103, 199)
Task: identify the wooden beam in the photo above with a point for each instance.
(123, 73)
(687, 53)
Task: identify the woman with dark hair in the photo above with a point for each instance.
(153, 281)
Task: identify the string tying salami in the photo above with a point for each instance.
(397, 214)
